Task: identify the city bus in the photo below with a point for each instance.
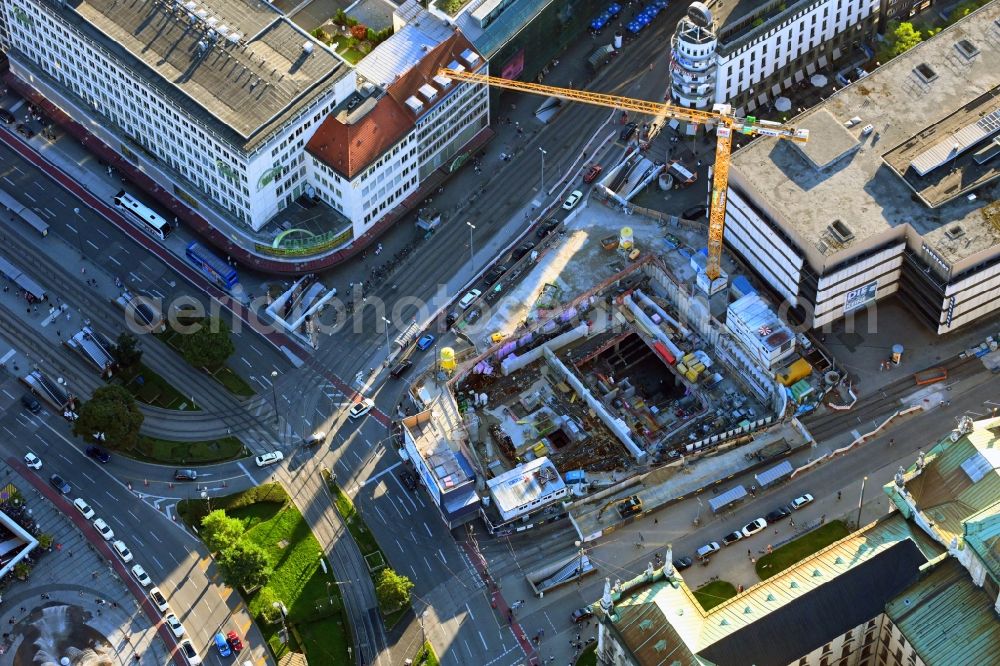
(142, 216)
(26, 214)
(212, 266)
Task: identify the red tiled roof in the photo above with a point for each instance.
(349, 149)
(424, 71)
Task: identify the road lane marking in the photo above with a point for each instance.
(8, 394)
(388, 470)
(470, 612)
(428, 530)
(441, 553)
(92, 244)
(48, 213)
(33, 199)
(158, 564)
(485, 646)
(117, 263)
(247, 473)
(72, 228)
(375, 506)
(259, 352)
(244, 359)
(87, 476)
(428, 565)
(115, 518)
(153, 534)
(10, 182)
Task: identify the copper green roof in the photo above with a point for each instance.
(982, 534)
(947, 618)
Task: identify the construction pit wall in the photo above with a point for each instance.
(555, 385)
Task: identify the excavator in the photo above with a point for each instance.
(721, 114)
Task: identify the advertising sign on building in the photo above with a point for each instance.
(860, 297)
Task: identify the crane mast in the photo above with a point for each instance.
(727, 123)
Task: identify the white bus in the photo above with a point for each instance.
(138, 212)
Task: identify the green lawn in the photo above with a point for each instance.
(342, 45)
(451, 7)
(152, 389)
(168, 452)
(366, 541)
(797, 550)
(223, 374)
(316, 620)
(588, 657)
(425, 656)
(712, 594)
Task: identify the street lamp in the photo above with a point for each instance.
(544, 153)
(387, 350)
(79, 239)
(280, 607)
(205, 497)
(861, 500)
(274, 394)
(472, 251)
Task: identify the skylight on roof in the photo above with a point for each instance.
(976, 466)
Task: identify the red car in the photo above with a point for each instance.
(592, 173)
(234, 641)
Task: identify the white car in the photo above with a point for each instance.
(753, 527)
(269, 458)
(469, 299)
(359, 409)
(32, 461)
(573, 199)
(708, 549)
(190, 653)
(175, 625)
(122, 550)
(104, 529)
(800, 502)
(140, 575)
(84, 508)
(158, 599)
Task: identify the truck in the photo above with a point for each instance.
(773, 450)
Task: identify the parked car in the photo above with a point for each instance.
(732, 538)
(521, 250)
(84, 508)
(269, 458)
(682, 563)
(778, 514)
(469, 299)
(572, 200)
(60, 484)
(234, 641)
(104, 529)
(140, 575)
(497, 338)
(400, 368)
(494, 274)
(317, 437)
(122, 550)
(628, 131)
(192, 656)
(32, 461)
(408, 479)
(547, 227)
(425, 342)
(185, 475)
(754, 526)
(581, 615)
(97, 453)
(450, 318)
(359, 409)
(175, 625)
(473, 316)
(6, 116)
(630, 506)
(801, 501)
(708, 549)
(592, 173)
(30, 403)
(158, 599)
(25, 131)
(222, 645)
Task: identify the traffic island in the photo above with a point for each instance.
(426, 656)
(392, 606)
(169, 452)
(299, 607)
(216, 343)
(714, 593)
(798, 549)
(151, 389)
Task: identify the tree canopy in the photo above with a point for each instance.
(245, 564)
(112, 411)
(904, 37)
(209, 345)
(393, 589)
(126, 352)
(220, 531)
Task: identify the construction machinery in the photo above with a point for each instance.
(721, 114)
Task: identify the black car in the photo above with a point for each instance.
(581, 614)
(25, 131)
(450, 318)
(547, 227)
(60, 484)
(778, 514)
(494, 275)
(31, 404)
(732, 537)
(97, 453)
(682, 563)
(6, 116)
(185, 475)
(695, 212)
(400, 368)
(409, 479)
(628, 131)
(522, 250)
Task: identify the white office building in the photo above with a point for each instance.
(726, 52)
(893, 194)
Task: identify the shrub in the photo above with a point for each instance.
(359, 31)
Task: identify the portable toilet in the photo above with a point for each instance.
(625, 239)
(448, 359)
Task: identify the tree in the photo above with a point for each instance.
(112, 411)
(209, 345)
(220, 531)
(904, 37)
(392, 589)
(359, 31)
(126, 352)
(245, 564)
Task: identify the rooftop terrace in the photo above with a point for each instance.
(913, 103)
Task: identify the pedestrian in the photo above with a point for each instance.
(656, 521)
(839, 493)
(749, 554)
(791, 522)
(891, 441)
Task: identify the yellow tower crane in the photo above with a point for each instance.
(722, 114)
